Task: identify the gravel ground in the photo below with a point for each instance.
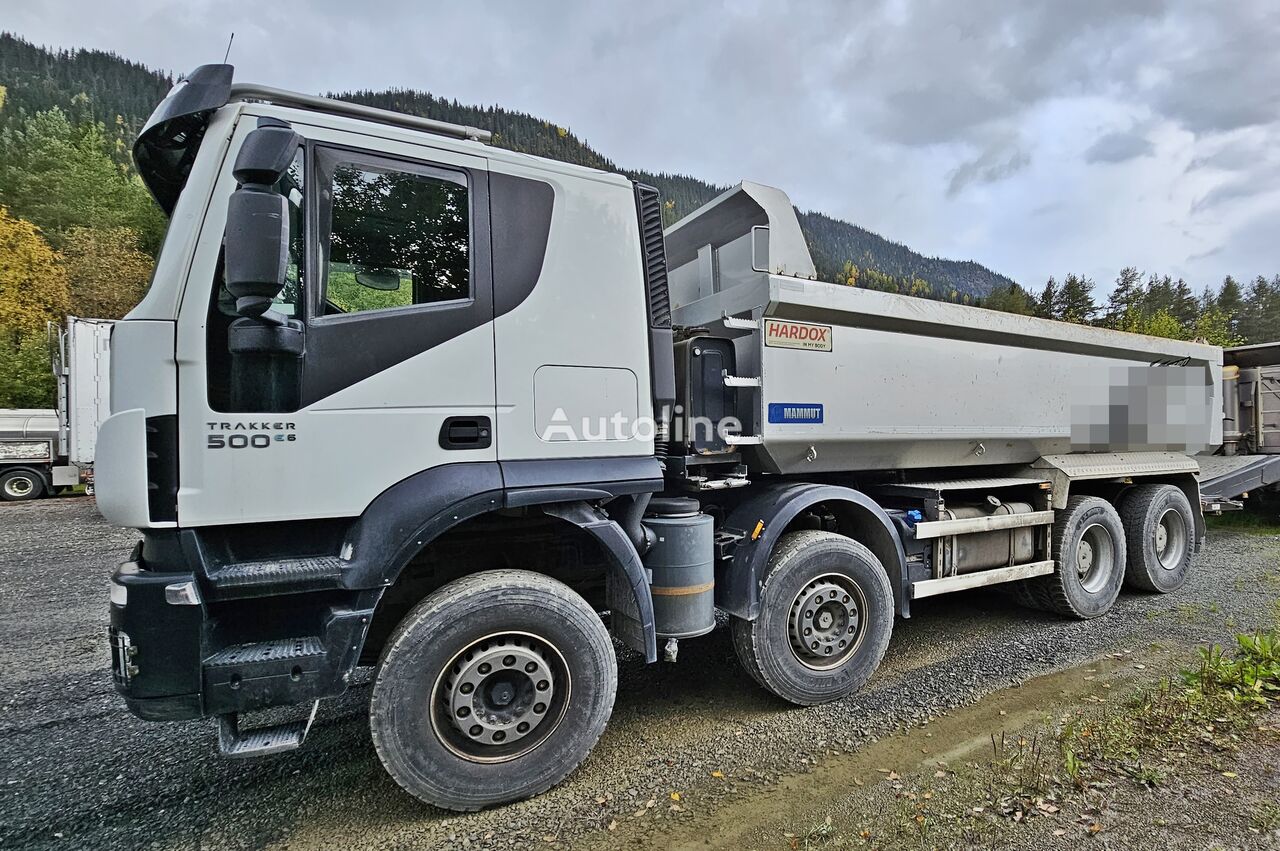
(77, 770)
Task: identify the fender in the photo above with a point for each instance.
(629, 595)
(412, 513)
(738, 585)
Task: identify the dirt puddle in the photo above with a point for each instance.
(758, 818)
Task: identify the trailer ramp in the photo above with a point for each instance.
(1224, 478)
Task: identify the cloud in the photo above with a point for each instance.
(1227, 192)
(1118, 148)
(889, 113)
(996, 163)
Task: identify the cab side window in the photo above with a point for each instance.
(393, 235)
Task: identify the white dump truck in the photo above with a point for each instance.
(397, 398)
(42, 450)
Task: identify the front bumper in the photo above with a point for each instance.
(182, 648)
(155, 644)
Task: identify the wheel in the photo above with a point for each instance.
(19, 485)
(492, 689)
(1160, 528)
(1089, 545)
(826, 613)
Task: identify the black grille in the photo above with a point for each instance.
(162, 467)
(649, 206)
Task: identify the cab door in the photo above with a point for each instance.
(391, 279)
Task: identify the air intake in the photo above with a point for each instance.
(162, 467)
(649, 207)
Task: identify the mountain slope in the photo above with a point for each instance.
(120, 93)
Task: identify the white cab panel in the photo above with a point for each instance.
(588, 309)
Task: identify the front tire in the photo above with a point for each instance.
(826, 614)
(493, 689)
(21, 485)
(1160, 529)
(1089, 545)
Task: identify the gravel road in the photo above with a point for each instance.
(77, 770)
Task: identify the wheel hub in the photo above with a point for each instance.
(19, 486)
(1084, 558)
(825, 621)
(1171, 539)
(502, 696)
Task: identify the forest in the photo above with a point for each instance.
(79, 232)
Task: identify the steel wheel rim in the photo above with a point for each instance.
(19, 486)
(827, 621)
(1095, 557)
(500, 697)
(1170, 539)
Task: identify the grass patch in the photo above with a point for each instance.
(1184, 726)
(1249, 521)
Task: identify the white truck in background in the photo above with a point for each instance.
(44, 449)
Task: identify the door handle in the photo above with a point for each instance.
(466, 433)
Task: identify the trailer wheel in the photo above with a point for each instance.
(1160, 528)
(1089, 545)
(21, 484)
(494, 688)
(826, 613)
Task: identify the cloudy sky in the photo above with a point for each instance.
(1036, 138)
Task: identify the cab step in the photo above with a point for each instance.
(267, 653)
(264, 673)
(277, 576)
(261, 741)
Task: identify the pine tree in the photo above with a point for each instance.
(1184, 307)
(1127, 294)
(1049, 305)
(1159, 296)
(1077, 299)
(1260, 317)
(1231, 302)
(1012, 299)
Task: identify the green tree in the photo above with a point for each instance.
(1213, 326)
(1159, 295)
(1049, 305)
(1127, 294)
(1012, 299)
(26, 376)
(1184, 306)
(60, 176)
(1260, 317)
(1230, 301)
(1077, 299)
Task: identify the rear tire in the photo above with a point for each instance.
(493, 689)
(1160, 528)
(1089, 546)
(826, 614)
(21, 485)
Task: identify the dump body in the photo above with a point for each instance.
(856, 380)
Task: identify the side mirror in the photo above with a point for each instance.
(257, 236)
(379, 279)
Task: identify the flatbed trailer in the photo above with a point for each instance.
(400, 399)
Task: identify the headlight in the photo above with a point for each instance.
(119, 595)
